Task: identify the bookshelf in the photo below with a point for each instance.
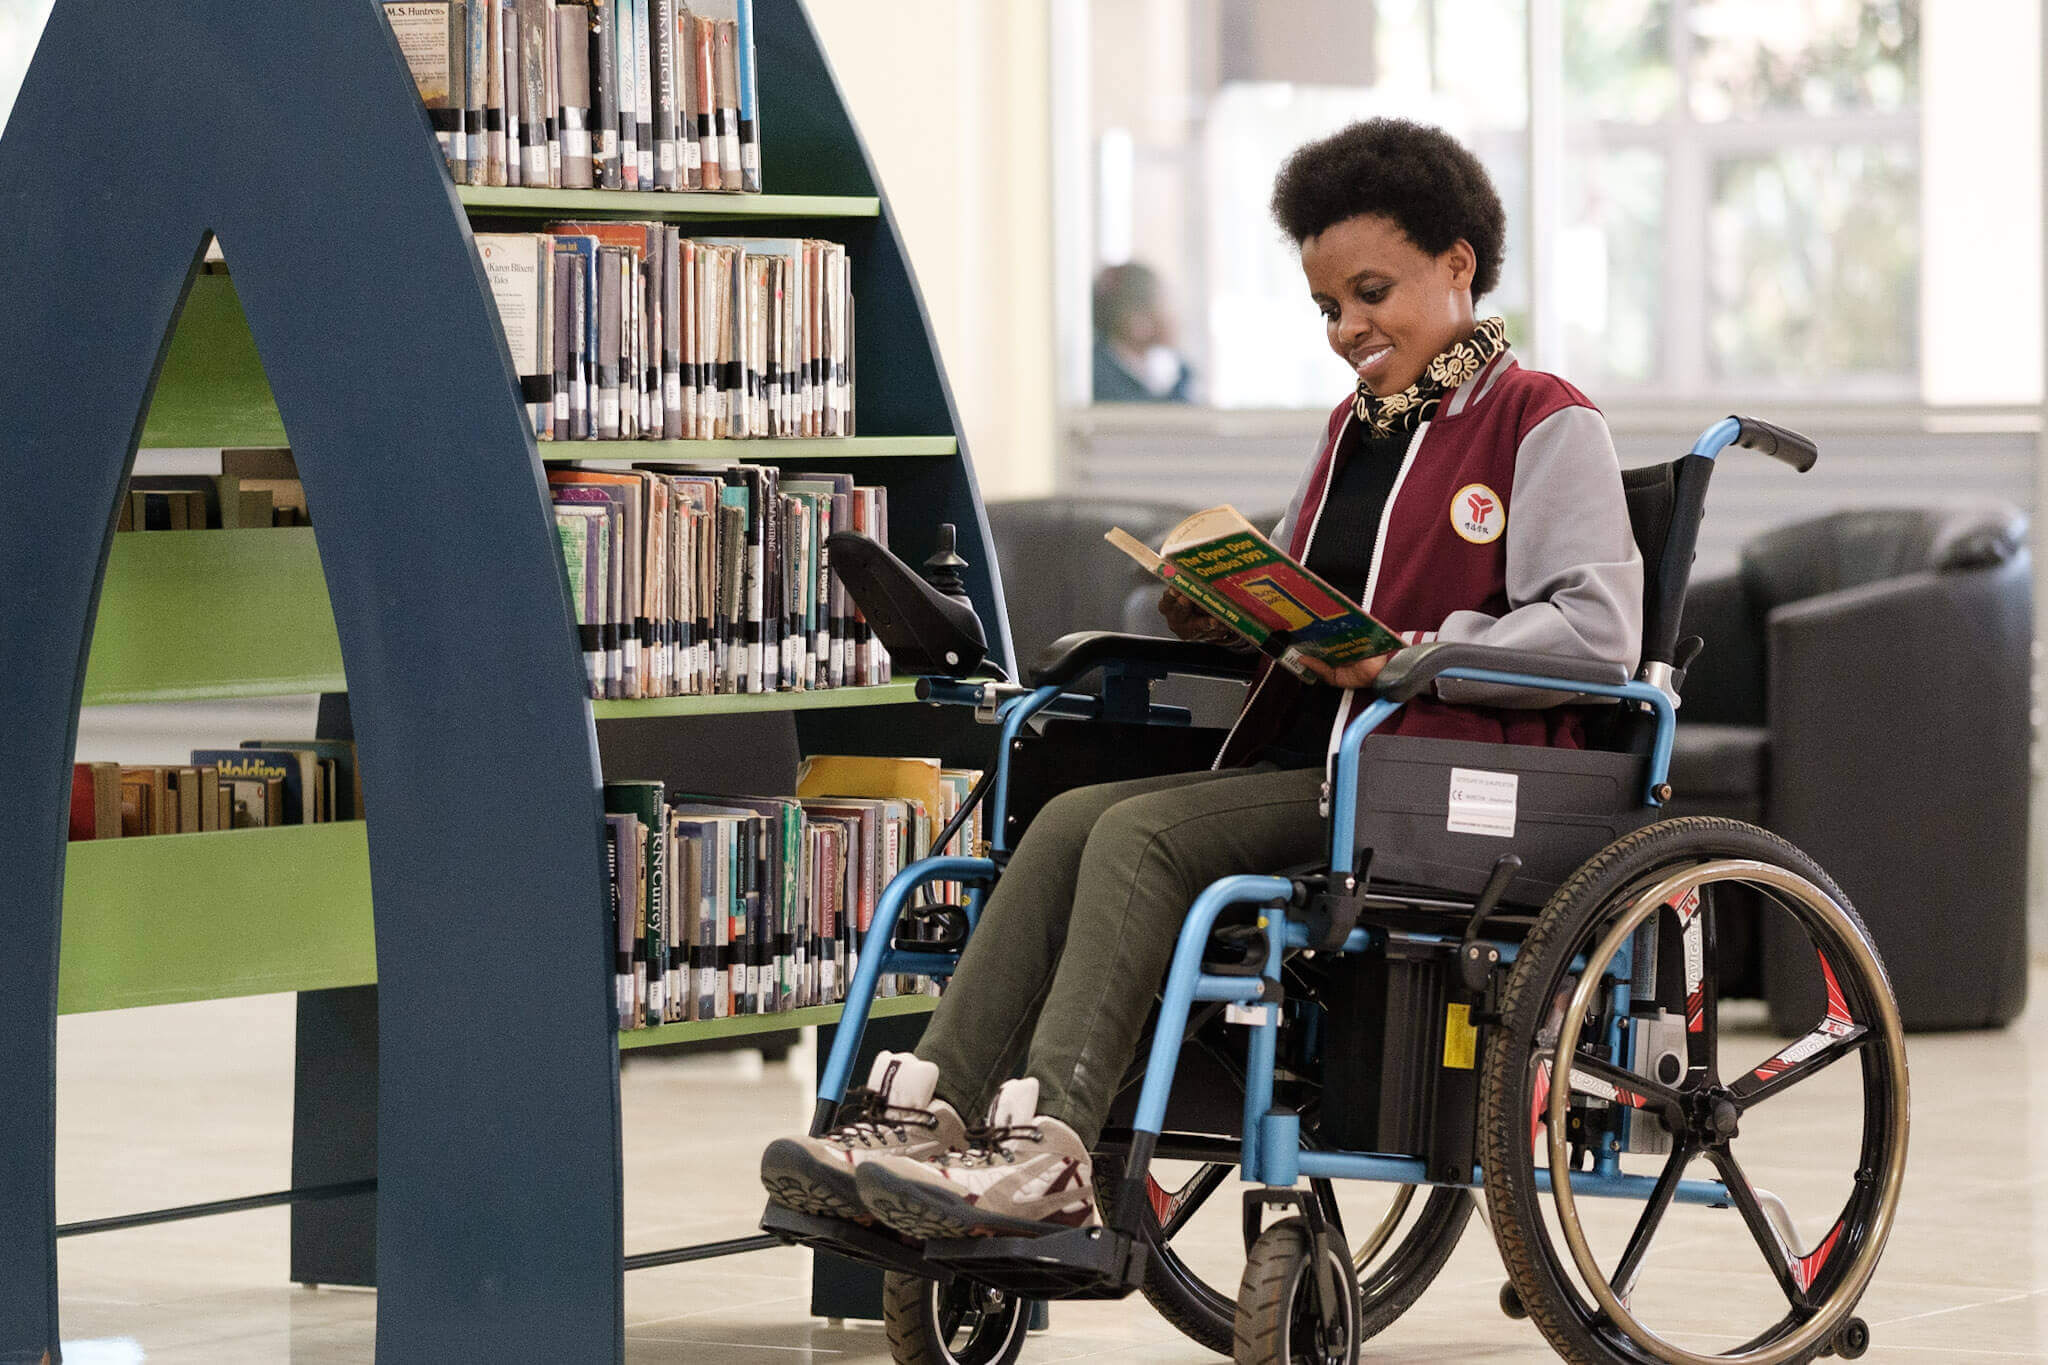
(353, 312)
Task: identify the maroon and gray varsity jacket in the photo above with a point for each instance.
(1506, 526)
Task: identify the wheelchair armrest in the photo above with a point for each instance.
(1070, 656)
(1411, 671)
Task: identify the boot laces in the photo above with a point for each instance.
(868, 1120)
(991, 1143)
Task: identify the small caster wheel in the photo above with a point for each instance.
(1511, 1303)
(951, 1322)
(1852, 1339)
(1280, 1317)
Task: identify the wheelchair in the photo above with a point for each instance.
(1502, 982)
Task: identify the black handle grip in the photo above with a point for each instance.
(1780, 443)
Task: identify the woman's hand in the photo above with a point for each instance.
(1190, 622)
(1360, 674)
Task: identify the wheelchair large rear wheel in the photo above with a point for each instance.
(1399, 1237)
(1617, 1071)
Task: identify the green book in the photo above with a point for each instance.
(643, 800)
(1221, 562)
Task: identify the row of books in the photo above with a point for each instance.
(612, 94)
(695, 578)
(201, 502)
(624, 331)
(265, 782)
(725, 905)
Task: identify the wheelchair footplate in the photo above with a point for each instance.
(874, 1246)
(1078, 1263)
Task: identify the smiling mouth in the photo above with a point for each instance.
(1371, 361)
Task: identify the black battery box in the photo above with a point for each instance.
(1400, 1062)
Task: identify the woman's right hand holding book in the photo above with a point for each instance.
(1190, 622)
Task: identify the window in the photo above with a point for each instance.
(1742, 196)
(1738, 205)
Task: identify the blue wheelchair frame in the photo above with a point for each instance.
(1272, 1153)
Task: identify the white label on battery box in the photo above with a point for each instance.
(1238, 1013)
(1482, 802)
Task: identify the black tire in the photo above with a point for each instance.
(1541, 1277)
(951, 1322)
(1207, 1316)
(1277, 1320)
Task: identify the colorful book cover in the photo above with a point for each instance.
(297, 769)
(347, 784)
(1221, 562)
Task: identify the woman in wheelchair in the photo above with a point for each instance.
(1455, 494)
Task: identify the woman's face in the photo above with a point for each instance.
(1389, 307)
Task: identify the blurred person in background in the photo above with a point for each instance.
(1135, 359)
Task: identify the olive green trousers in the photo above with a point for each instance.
(1074, 942)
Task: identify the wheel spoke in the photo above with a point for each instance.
(1777, 1254)
(1836, 1036)
(1592, 1076)
(1811, 1054)
(1183, 1203)
(1703, 994)
(1624, 1278)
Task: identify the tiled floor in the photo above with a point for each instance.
(188, 1103)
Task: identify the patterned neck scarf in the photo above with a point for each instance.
(1454, 365)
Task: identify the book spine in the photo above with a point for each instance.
(551, 89)
(706, 90)
(458, 91)
(622, 952)
(662, 36)
(494, 90)
(671, 334)
(535, 102)
(626, 51)
(749, 110)
(643, 86)
(657, 918)
(477, 63)
(608, 336)
(572, 47)
(725, 39)
(604, 98)
(515, 93)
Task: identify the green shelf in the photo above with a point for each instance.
(212, 390)
(769, 1023)
(755, 452)
(523, 202)
(178, 917)
(745, 703)
(175, 918)
(189, 615)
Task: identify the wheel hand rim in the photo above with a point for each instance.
(1822, 1325)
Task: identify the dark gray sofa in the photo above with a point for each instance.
(1864, 693)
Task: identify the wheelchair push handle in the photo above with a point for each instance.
(1766, 438)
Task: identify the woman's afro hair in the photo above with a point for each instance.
(1416, 175)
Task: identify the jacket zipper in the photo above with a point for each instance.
(1372, 579)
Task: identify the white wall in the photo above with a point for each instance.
(1980, 202)
(950, 96)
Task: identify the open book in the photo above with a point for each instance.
(1221, 563)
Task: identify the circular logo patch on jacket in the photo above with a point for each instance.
(1476, 514)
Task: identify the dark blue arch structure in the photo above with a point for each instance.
(293, 132)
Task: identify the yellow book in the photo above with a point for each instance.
(887, 779)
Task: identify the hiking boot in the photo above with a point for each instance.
(894, 1115)
(1024, 1175)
